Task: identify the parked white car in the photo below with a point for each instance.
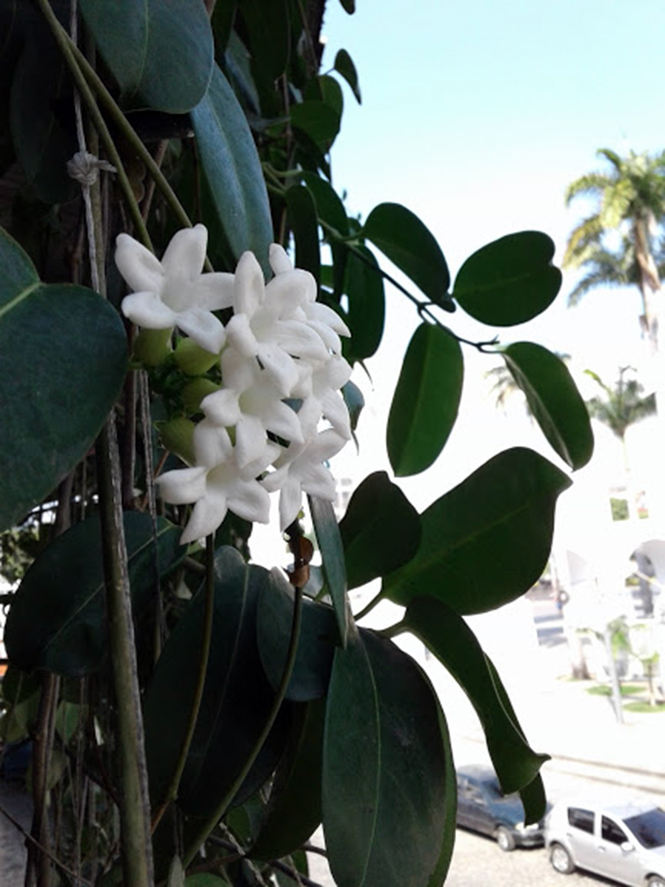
(625, 842)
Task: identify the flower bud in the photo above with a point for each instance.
(194, 392)
(178, 437)
(152, 347)
(192, 359)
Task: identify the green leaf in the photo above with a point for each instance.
(355, 402)
(236, 701)
(63, 357)
(268, 36)
(553, 399)
(380, 530)
(387, 769)
(319, 120)
(363, 285)
(233, 170)
(205, 879)
(316, 645)
(57, 621)
(328, 204)
(332, 553)
(411, 246)
(160, 53)
(294, 806)
(301, 211)
(426, 400)
(348, 6)
(450, 639)
(344, 66)
(510, 280)
(486, 541)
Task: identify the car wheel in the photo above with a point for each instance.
(504, 839)
(656, 881)
(561, 859)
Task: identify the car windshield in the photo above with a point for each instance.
(648, 828)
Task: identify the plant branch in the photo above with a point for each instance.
(369, 606)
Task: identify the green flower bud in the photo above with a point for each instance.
(178, 437)
(152, 347)
(192, 359)
(194, 392)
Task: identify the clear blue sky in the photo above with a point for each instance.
(476, 115)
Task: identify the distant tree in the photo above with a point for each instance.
(630, 199)
(504, 385)
(621, 405)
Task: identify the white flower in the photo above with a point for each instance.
(217, 484)
(250, 401)
(300, 469)
(174, 292)
(268, 321)
(320, 393)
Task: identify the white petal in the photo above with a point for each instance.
(186, 252)
(336, 412)
(328, 336)
(276, 479)
(281, 367)
(282, 421)
(279, 260)
(321, 313)
(239, 371)
(290, 503)
(250, 501)
(212, 444)
(221, 407)
(299, 339)
(182, 485)
(250, 440)
(318, 481)
(147, 310)
(268, 455)
(239, 334)
(213, 291)
(207, 516)
(289, 291)
(139, 267)
(249, 285)
(202, 326)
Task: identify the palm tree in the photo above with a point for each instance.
(630, 199)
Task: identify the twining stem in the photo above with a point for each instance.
(39, 853)
(201, 836)
(172, 792)
(369, 607)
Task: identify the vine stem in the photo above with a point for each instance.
(369, 606)
(206, 829)
(172, 791)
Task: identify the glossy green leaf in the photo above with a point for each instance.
(161, 54)
(294, 805)
(510, 280)
(236, 701)
(205, 879)
(355, 402)
(344, 66)
(426, 400)
(332, 552)
(553, 399)
(450, 639)
(387, 774)
(380, 530)
(57, 621)
(486, 541)
(303, 220)
(366, 314)
(319, 120)
(267, 23)
(316, 645)
(63, 357)
(233, 170)
(348, 6)
(411, 246)
(328, 204)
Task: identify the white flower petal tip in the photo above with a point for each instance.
(279, 260)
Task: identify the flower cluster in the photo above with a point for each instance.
(281, 369)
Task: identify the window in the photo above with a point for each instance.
(581, 819)
(611, 832)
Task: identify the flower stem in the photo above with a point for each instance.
(369, 607)
(203, 833)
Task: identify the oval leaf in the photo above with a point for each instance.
(233, 170)
(387, 770)
(510, 280)
(451, 640)
(301, 211)
(411, 246)
(363, 285)
(486, 541)
(426, 400)
(380, 530)
(553, 399)
(344, 66)
(329, 207)
(332, 554)
(318, 120)
(142, 40)
(57, 621)
(63, 358)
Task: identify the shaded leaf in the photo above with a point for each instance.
(316, 645)
(319, 120)
(387, 770)
(328, 204)
(294, 806)
(426, 400)
(364, 288)
(301, 211)
(57, 621)
(355, 402)
(332, 553)
(233, 170)
(411, 246)
(553, 399)
(510, 280)
(344, 66)
(348, 6)
(380, 530)
(63, 357)
(268, 35)
(451, 640)
(161, 54)
(487, 540)
(205, 879)
(236, 701)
